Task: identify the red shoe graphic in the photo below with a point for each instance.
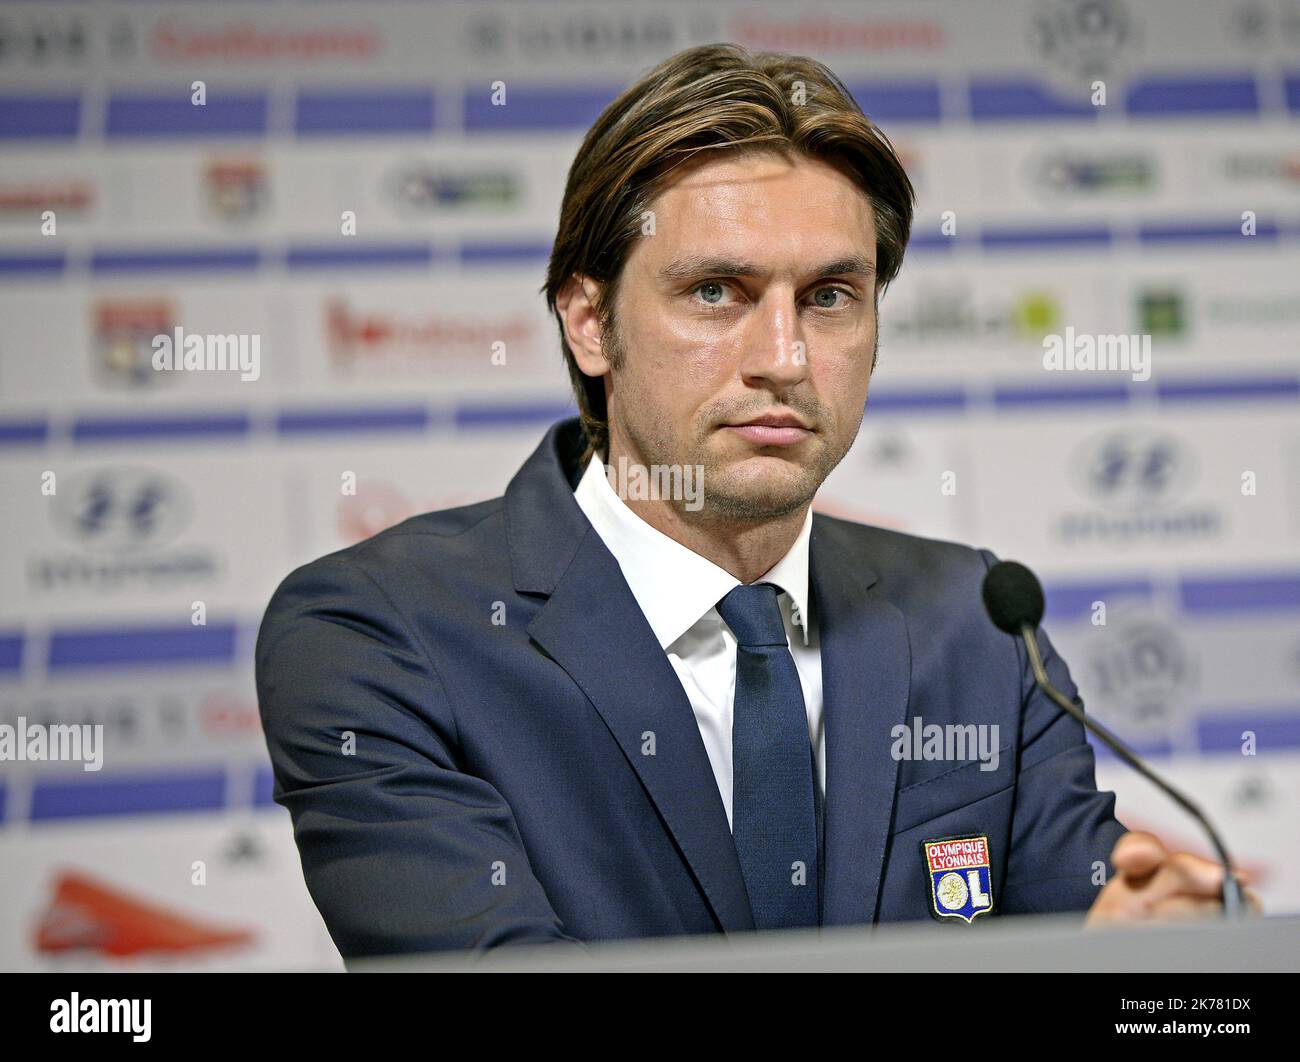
(86, 914)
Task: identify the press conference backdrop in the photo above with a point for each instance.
(414, 359)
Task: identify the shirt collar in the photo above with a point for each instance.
(674, 585)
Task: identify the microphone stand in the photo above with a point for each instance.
(1234, 906)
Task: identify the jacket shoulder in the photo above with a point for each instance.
(443, 540)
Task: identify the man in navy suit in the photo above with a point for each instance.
(668, 698)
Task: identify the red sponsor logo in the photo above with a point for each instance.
(379, 339)
(45, 195)
(174, 38)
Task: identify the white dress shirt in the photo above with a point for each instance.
(678, 591)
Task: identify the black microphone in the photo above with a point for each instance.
(1014, 600)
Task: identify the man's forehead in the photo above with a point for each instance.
(717, 218)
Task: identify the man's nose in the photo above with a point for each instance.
(774, 345)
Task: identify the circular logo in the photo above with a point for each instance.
(952, 891)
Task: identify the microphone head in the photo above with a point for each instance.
(1013, 597)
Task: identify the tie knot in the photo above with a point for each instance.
(754, 615)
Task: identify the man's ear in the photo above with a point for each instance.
(576, 305)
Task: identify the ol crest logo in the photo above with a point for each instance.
(961, 877)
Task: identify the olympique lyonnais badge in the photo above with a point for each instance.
(961, 877)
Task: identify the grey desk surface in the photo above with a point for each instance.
(1057, 944)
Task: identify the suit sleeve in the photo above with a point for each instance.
(401, 850)
(1062, 826)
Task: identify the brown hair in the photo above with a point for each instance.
(719, 97)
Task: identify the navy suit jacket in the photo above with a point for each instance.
(458, 713)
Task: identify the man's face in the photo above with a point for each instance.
(755, 296)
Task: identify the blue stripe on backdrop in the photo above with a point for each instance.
(1202, 232)
(536, 107)
(999, 238)
(916, 400)
(1245, 593)
(898, 101)
(41, 264)
(347, 255)
(199, 425)
(1276, 728)
(24, 431)
(177, 645)
(324, 113)
(39, 117)
(1164, 97)
(1147, 749)
(11, 654)
(1219, 388)
(350, 419)
(503, 252)
(1019, 397)
(153, 115)
(1002, 99)
(470, 416)
(172, 260)
(143, 794)
(263, 786)
(1067, 602)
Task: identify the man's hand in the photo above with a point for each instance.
(1151, 882)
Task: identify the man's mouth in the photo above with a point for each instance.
(771, 429)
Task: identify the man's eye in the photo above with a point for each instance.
(713, 289)
(832, 292)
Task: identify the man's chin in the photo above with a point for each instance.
(760, 486)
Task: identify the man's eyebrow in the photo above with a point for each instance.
(698, 266)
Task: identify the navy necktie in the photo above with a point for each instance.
(774, 817)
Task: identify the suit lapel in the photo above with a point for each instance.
(592, 626)
(866, 674)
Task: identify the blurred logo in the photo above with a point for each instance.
(421, 187)
(122, 509)
(1161, 312)
(952, 314)
(1271, 167)
(88, 915)
(1255, 309)
(165, 719)
(1138, 671)
(236, 188)
(1133, 469)
(380, 340)
(178, 38)
(1266, 25)
(1135, 477)
(593, 33)
(1090, 38)
(1069, 172)
(121, 518)
(122, 350)
(41, 38)
(34, 197)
